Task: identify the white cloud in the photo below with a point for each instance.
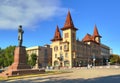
(27, 12)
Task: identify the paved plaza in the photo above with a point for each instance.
(79, 75)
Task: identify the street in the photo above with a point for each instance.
(79, 75)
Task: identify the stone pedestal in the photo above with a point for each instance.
(20, 66)
(20, 59)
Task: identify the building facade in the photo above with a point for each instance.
(69, 52)
(44, 55)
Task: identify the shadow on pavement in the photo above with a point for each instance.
(106, 79)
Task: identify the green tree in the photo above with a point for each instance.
(32, 59)
(114, 58)
(6, 56)
(1, 58)
(119, 59)
(9, 55)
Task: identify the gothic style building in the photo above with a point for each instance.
(69, 52)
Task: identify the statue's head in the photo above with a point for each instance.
(20, 26)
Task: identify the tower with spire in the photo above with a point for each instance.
(96, 35)
(64, 47)
(69, 35)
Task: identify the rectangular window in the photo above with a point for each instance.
(73, 47)
(45, 53)
(66, 35)
(55, 48)
(55, 55)
(66, 55)
(60, 55)
(65, 47)
(60, 47)
(73, 37)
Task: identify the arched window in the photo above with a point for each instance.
(66, 63)
(56, 63)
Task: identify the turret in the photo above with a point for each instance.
(57, 35)
(96, 35)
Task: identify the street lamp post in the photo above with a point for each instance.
(106, 61)
(94, 60)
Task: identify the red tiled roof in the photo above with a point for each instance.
(88, 37)
(57, 35)
(69, 23)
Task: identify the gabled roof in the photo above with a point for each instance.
(57, 35)
(69, 23)
(96, 33)
(88, 37)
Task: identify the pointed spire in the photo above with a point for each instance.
(69, 23)
(57, 35)
(96, 34)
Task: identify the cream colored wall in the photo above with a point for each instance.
(62, 43)
(70, 46)
(32, 50)
(56, 43)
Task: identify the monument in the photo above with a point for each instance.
(20, 66)
(20, 36)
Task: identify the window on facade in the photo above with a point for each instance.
(34, 51)
(66, 55)
(65, 47)
(66, 35)
(45, 52)
(60, 55)
(73, 47)
(60, 47)
(55, 55)
(80, 55)
(73, 37)
(55, 48)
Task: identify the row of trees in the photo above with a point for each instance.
(7, 57)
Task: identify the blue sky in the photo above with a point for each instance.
(40, 18)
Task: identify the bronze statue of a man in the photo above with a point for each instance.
(20, 35)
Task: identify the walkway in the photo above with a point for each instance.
(83, 75)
